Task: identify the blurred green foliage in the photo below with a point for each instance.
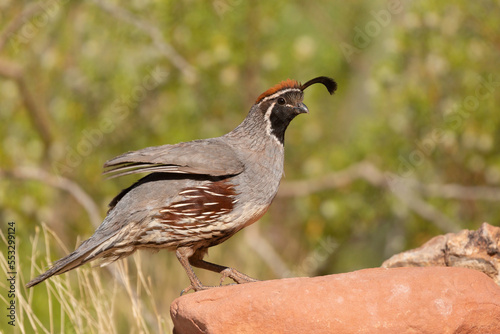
(419, 84)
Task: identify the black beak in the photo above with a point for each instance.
(302, 109)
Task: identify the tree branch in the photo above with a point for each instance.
(59, 182)
(155, 34)
(362, 170)
(460, 192)
(38, 114)
(266, 251)
(407, 190)
(370, 173)
(17, 22)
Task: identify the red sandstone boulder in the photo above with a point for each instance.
(398, 300)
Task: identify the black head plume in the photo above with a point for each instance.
(329, 83)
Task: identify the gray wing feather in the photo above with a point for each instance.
(208, 157)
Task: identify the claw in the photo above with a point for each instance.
(223, 277)
(233, 274)
(222, 280)
(197, 288)
(236, 276)
(189, 288)
(225, 273)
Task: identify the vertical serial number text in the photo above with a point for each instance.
(11, 273)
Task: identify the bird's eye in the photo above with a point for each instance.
(281, 101)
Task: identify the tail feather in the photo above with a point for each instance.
(71, 261)
(91, 249)
(106, 244)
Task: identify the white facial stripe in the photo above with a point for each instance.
(281, 92)
(267, 116)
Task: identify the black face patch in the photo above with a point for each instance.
(283, 112)
(281, 116)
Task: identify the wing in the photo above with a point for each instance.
(208, 157)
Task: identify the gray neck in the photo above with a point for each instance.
(260, 147)
(262, 154)
(254, 131)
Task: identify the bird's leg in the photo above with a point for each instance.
(197, 261)
(183, 254)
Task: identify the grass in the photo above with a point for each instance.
(117, 300)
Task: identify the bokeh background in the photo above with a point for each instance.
(405, 150)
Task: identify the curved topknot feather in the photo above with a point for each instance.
(329, 83)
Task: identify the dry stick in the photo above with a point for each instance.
(59, 182)
(409, 191)
(368, 172)
(18, 22)
(266, 251)
(37, 112)
(460, 192)
(363, 170)
(154, 33)
(429, 212)
(11, 70)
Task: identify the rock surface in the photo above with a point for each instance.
(479, 250)
(378, 300)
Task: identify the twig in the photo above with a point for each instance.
(368, 172)
(266, 251)
(31, 173)
(17, 22)
(408, 191)
(156, 36)
(362, 170)
(425, 210)
(460, 192)
(36, 111)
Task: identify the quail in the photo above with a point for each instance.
(199, 193)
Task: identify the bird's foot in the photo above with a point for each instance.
(196, 287)
(233, 274)
(236, 276)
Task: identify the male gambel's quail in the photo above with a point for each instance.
(200, 193)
